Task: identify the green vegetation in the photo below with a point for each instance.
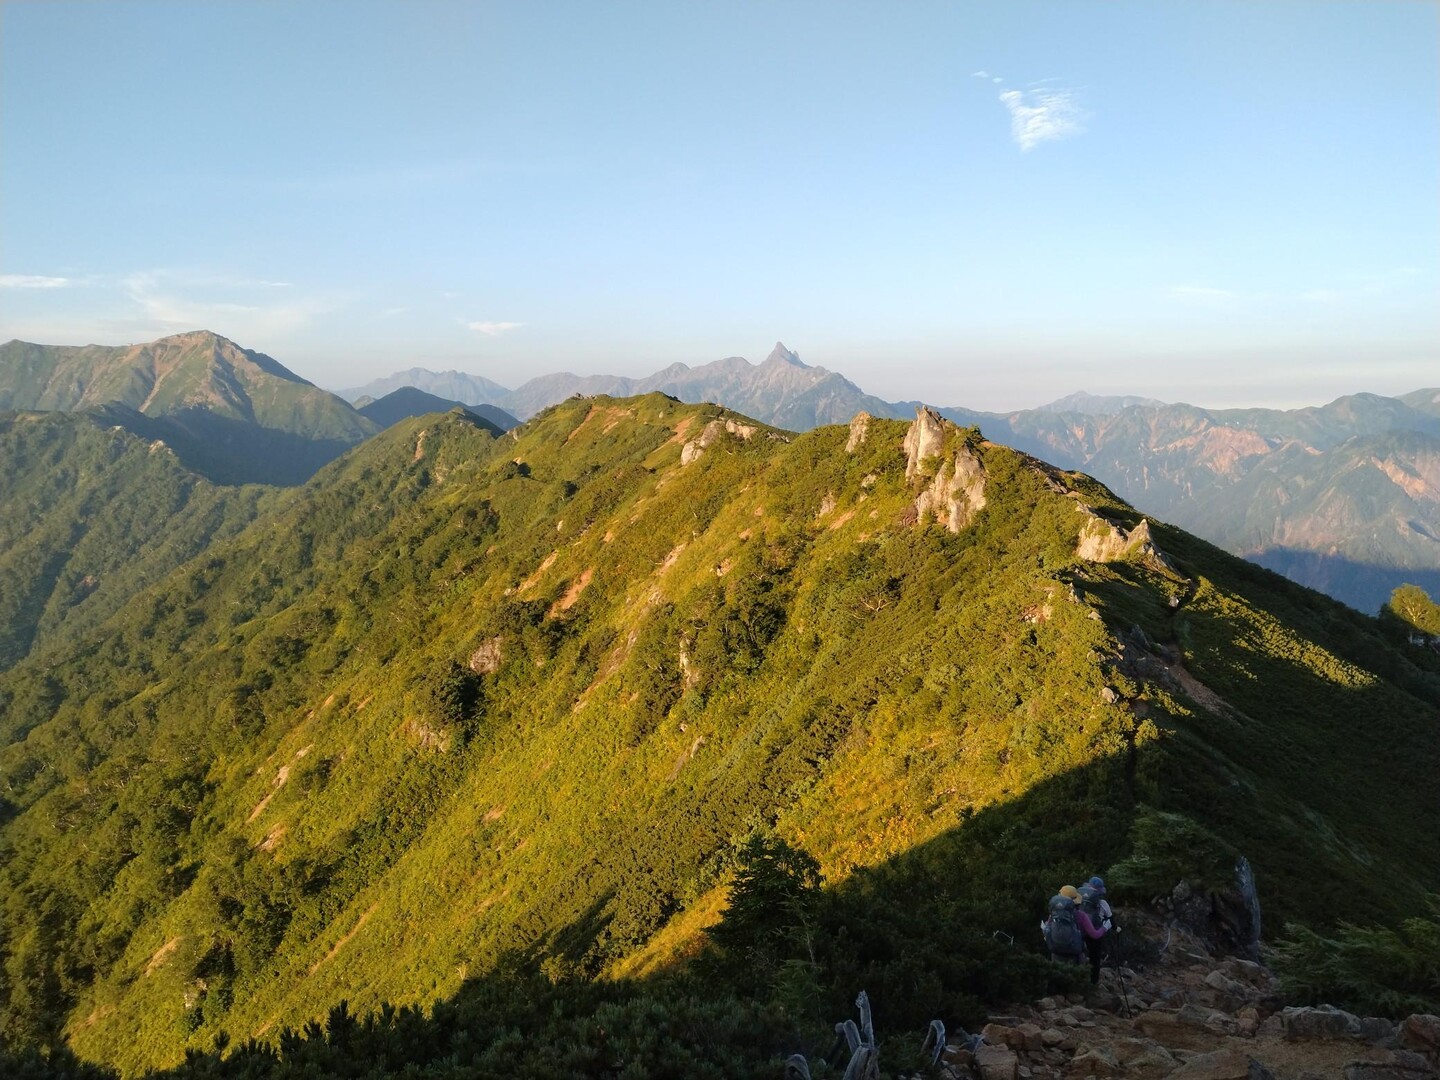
(481, 735)
(94, 515)
(1411, 607)
(1371, 970)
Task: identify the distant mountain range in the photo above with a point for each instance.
(231, 414)
(408, 401)
(782, 390)
(1343, 497)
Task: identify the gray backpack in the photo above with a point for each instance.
(1062, 933)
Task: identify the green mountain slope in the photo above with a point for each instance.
(236, 415)
(92, 515)
(466, 705)
(1179, 462)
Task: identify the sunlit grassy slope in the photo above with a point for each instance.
(466, 700)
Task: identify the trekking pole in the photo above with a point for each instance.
(1120, 971)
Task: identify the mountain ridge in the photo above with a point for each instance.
(231, 413)
(462, 702)
(1182, 462)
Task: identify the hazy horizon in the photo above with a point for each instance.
(981, 205)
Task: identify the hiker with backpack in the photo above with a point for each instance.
(1063, 936)
(1106, 915)
(1090, 918)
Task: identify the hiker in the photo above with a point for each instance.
(1092, 925)
(1107, 916)
(1062, 932)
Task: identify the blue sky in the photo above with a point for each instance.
(979, 204)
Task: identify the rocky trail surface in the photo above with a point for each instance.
(1184, 1014)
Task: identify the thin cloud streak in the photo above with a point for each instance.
(33, 281)
(493, 329)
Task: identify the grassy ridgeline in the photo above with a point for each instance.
(469, 708)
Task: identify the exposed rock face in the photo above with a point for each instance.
(1227, 1064)
(924, 439)
(1421, 1032)
(1104, 541)
(1404, 1066)
(486, 659)
(859, 428)
(712, 432)
(957, 492)
(1320, 1022)
(997, 1063)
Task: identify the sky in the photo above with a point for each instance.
(987, 205)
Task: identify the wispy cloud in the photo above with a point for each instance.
(1043, 114)
(171, 301)
(493, 329)
(34, 281)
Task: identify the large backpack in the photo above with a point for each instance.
(1090, 904)
(1062, 933)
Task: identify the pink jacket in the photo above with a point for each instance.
(1087, 927)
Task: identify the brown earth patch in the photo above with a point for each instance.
(280, 777)
(680, 430)
(531, 581)
(160, 955)
(486, 904)
(346, 939)
(613, 416)
(572, 594)
(686, 756)
(580, 426)
(670, 559)
(100, 1012)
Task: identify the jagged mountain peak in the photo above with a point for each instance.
(781, 355)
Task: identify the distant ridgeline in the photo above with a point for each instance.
(1344, 498)
(233, 415)
(122, 463)
(490, 725)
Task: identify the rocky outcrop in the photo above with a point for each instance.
(956, 492)
(1421, 1033)
(1188, 1015)
(1102, 540)
(859, 429)
(712, 431)
(924, 439)
(485, 660)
